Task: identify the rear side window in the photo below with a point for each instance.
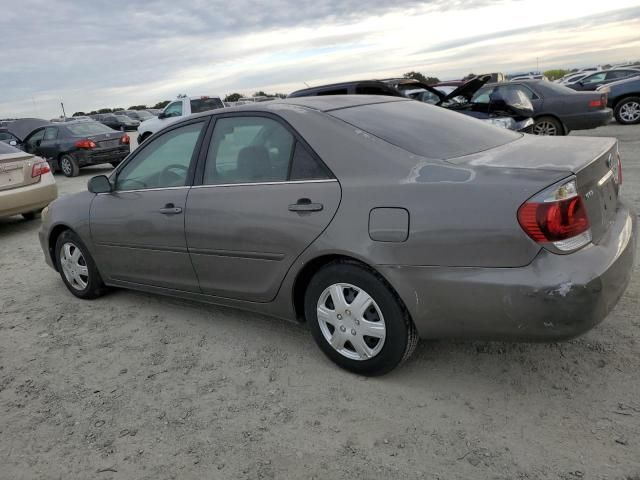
(335, 91)
(305, 167)
(205, 103)
(373, 90)
(425, 130)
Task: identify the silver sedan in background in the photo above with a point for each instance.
(375, 220)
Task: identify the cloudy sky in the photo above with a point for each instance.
(105, 53)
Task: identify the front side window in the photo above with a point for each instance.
(34, 140)
(164, 162)
(598, 77)
(50, 133)
(173, 110)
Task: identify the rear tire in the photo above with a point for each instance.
(69, 166)
(77, 268)
(627, 111)
(548, 126)
(374, 338)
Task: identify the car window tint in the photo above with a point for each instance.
(305, 167)
(163, 162)
(248, 150)
(33, 139)
(372, 90)
(50, 133)
(85, 129)
(335, 91)
(173, 109)
(598, 77)
(205, 103)
(425, 130)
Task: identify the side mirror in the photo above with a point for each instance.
(162, 115)
(99, 184)
(13, 143)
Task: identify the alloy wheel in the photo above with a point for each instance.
(65, 166)
(630, 112)
(545, 128)
(74, 266)
(351, 321)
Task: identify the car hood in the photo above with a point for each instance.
(468, 89)
(23, 127)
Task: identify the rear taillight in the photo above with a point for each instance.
(39, 169)
(125, 139)
(557, 217)
(596, 103)
(86, 143)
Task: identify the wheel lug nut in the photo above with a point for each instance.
(353, 331)
(339, 317)
(343, 328)
(357, 322)
(348, 312)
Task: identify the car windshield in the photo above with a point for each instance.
(144, 115)
(425, 130)
(88, 128)
(123, 118)
(205, 103)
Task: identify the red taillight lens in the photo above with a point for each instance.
(86, 143)
(554, 221)
(39, 169)
(125, 139)
(596, 103)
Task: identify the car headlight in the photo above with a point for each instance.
(502, 122)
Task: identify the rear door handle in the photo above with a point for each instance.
(170, 209)
(305, 205)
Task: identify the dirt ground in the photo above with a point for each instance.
(135, 386)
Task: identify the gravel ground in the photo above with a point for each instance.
(145, 387)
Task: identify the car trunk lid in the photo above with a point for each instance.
(15, 170)
(106, 140)
(594, 162)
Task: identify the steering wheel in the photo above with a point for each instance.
(169, 177)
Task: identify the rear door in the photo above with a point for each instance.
(138, 229)
(264, 197)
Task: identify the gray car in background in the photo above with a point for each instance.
(375, 220)
(557, 109)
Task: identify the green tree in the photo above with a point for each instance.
(138, 107)
(105, 110)
(232, 97)
(555, 73)
(421, 78)
(79, 114)
(161, 104)
(259, 93)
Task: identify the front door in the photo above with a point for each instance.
(138, 229)
(264, 198)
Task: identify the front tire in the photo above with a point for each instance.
(77, 268)
(357, 319)
(69, 166)
(547, 126)
(627, 111)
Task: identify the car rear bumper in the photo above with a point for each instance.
(98, 156)
(585, 121)
(554, 297)
(30, 198)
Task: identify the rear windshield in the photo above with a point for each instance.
(203, 104)
(85, 129)
(425, 130)
(556, 88)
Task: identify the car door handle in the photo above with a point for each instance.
(170, 209)
(305, 205)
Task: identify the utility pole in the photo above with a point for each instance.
(64, 115)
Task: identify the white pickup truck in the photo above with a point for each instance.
(181, 107)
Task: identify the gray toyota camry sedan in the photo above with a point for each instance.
(374, 220)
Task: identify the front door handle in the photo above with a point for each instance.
(305, 205)
(170, 209)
